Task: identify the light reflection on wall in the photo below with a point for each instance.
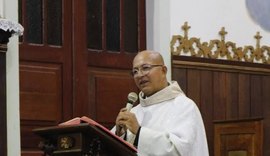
(259, 10)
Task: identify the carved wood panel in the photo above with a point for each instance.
(238, 137)
(108, 91)
(40, 98)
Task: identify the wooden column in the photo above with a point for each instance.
(4, 38)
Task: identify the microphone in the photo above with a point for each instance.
(132, 98)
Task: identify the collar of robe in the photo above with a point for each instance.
(170, 92)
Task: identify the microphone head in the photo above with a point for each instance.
(132, 97)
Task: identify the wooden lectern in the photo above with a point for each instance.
(81, 140)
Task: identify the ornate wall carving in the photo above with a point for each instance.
(219, 48)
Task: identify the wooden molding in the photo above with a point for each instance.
(221, 67)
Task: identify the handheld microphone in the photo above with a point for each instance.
(132, 98)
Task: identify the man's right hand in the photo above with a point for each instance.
(120, 128)
(126, 120)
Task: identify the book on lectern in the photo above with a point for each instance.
(84, 119)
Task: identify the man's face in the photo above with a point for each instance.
(149, 74)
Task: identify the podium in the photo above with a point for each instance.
(81, 140)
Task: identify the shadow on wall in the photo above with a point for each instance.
(259, 10)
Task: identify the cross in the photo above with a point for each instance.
(185, 27)
(222, 33)
(258, 38)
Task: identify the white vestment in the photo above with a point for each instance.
(171, 125)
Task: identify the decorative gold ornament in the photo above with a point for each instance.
(66, 142)
(219, 48)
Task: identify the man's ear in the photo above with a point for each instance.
(164, 69)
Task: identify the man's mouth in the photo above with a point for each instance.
(143, 82)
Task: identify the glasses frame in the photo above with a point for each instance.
(144, 71)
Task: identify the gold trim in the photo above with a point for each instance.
(219, 48)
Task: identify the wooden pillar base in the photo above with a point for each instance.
(4, 39)
(3, 48)
(3, 100)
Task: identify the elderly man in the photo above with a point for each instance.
(165, 122)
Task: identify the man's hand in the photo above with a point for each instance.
(126, 120)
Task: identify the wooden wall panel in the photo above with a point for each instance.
(29, 140)
(206, 106)
(219, 95)
(40, 94)
(266, 113)
(243, 93)
(40, 99)
(180, 75)
(108, 93)
(231, 96)
(193, 85)
(256, 95)
(235, 136)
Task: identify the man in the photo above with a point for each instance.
(165, 122)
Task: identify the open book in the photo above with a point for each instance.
(84, 119)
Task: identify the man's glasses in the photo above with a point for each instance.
(144, 69)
